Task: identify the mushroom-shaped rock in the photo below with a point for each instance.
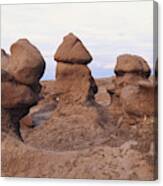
(75, 84)
(132, 64)
(26, 63)
(72, 50)
(129, 70)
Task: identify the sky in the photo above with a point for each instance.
(107, 30)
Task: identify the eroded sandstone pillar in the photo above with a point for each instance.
(74, 80)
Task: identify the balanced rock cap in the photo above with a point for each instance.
(26, 63)
(72, 50)
(132, 63)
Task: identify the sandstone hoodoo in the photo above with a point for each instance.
(20, 83)
(127, 63)
(73, 77)
(127, 89)
(130, 69)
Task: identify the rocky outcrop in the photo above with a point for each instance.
(133, 64)
(139, 99)
(19, 95)
(20, 83)
(131, 89)
(26, 62)
(130, 69)
(75, 84)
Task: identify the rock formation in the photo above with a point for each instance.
(130, 69)
(76, 137)
(75, 82)
(72, 51)
(20, 74)
(131, 88)
(27, 62)
(139, 99)
(132, 64)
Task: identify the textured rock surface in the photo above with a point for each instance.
(74, 83)
(132, 64)
(72, 50)
(17, 95)
(129, 85)
(139, 100)
(26, 63)
(95, 163)
(24, 66)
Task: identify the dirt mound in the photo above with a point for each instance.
(73, 128)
